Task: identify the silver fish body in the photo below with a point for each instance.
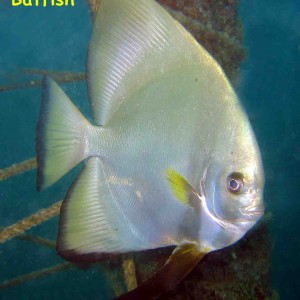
(172, 160)
(186, 132)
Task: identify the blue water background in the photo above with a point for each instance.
(49, 38)
(57, 39)
(270, 91)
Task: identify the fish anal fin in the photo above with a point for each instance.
(182, 261)
(91, 227)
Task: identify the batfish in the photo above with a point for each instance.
(170, 159)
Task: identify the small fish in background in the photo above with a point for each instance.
(172, 159)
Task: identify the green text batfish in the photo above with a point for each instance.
(172, 159)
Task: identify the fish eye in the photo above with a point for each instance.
(234, 182)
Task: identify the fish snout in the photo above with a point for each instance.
(255, 210)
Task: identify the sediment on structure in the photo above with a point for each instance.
(35, 275)
(21, 226)
(58, 76)
(16, 169)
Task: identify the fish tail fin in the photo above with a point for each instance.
(61, 130)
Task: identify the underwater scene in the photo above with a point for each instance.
(122, 139)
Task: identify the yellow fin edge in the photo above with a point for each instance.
(179, 185)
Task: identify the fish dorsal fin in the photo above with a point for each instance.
(133, 42)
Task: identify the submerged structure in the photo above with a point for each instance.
(241, 271)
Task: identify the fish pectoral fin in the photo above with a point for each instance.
(182, 261)
(182, 189)
(90, 226)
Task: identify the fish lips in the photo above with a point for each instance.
(253, 212)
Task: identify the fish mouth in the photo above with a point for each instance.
(255, 211)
